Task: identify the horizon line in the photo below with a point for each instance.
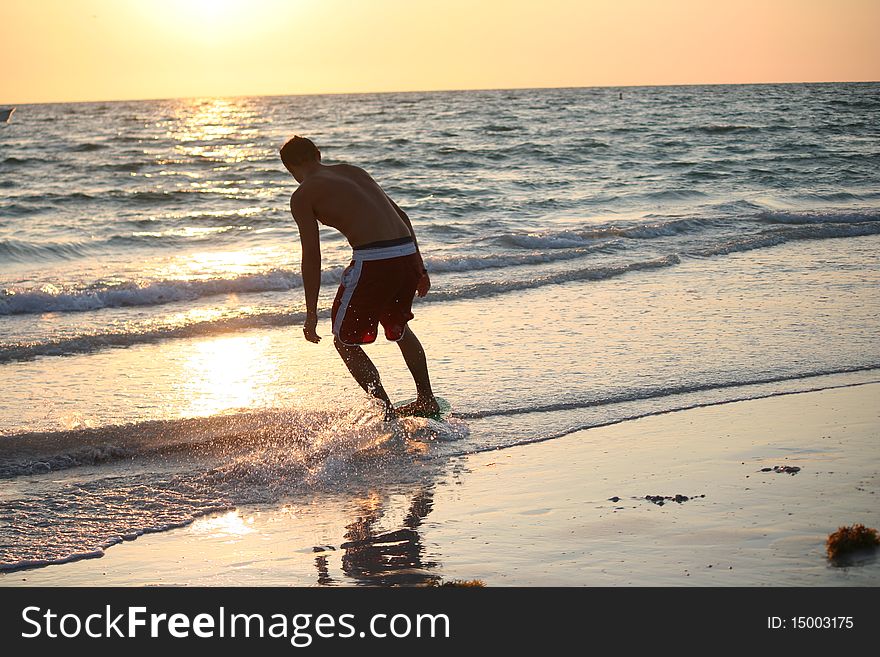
(425, 91)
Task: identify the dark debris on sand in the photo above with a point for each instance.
(783, 469)
(660, 500)
(457, 583)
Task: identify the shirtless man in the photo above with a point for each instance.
(385, 273)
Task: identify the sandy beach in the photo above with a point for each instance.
(546, 514)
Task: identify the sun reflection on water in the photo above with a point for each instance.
(227, 262)
(217, 264)
(227, 373)
(228, 525)
(204, 129)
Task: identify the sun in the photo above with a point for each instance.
(210, 12)
(205, 22)
(211, 35)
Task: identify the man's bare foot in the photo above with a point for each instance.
(420, 408)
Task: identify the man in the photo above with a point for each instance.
(385, 273)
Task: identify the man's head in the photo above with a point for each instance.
(298, 155)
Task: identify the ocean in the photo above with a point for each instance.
(596, 255)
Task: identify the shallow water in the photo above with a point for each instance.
(592, 260)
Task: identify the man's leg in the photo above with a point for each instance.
(415, 359)
(363, 371)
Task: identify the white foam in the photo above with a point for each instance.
(51, 298)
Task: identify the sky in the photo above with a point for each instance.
(79, 50)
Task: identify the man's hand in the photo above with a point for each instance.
(310, 326)
(424, 285)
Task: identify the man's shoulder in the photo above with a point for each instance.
(301, 199)
(348, 169)
(305, 191)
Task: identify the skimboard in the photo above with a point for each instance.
(440, 415)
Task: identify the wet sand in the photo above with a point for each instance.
(765, 480)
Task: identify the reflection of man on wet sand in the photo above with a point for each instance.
(385, 273)
(386, 558)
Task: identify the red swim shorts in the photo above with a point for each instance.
(377, 287)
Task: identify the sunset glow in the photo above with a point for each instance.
(58, 50)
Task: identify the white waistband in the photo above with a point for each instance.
(384, 252)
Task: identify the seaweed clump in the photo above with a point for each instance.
(458, 583)
(850, 539)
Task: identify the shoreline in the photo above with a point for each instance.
(563, 512)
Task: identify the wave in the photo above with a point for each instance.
(97, 551)
(258, 457)
(53, 299)
(19, 210)
(656, 393)
(149, 197)
(567, 239)
(491, 288)
(88, 343)
(50, 298)
(174, 235)
(663, 411)
(669, 195)
(42, 452)
(723, 128)
(21, 251)
(125, 167)
(140, 197)
(220, 218)
(88, 148)
(589, 142)
(494, 127)
(527, 150)
(819, 217)
(839, 197)
(130, 139)
(578, 238)
(53, 197)
(855, 104)
(712, 174)
(13, 162)
(779, 236)
(392, 163)
(446, 264)
(558, 240)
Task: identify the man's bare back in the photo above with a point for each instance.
(346, 198)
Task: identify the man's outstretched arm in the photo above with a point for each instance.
(307, 223)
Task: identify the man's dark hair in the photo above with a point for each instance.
(298, 150)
